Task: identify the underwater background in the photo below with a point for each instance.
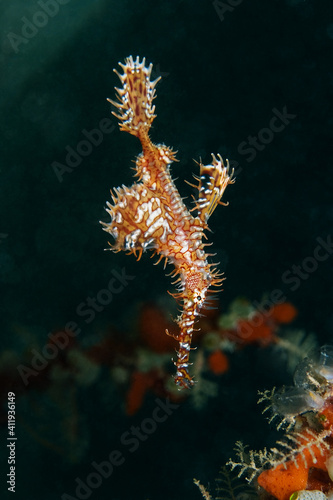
(249, 80)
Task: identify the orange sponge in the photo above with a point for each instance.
(218, 362)
(285, 479)
(283, 313)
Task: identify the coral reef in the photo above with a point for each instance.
(302, 460)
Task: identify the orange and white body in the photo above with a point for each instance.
(150, 215)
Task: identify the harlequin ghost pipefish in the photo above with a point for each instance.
(151, 215)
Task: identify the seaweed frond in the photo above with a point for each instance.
(290, 448)
(285, 422)
(250, 462)
(205, 494)
(296, 344)
(229, 487)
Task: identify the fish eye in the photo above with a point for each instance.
(199, 298)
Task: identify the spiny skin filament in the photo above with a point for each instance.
(150, 215)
